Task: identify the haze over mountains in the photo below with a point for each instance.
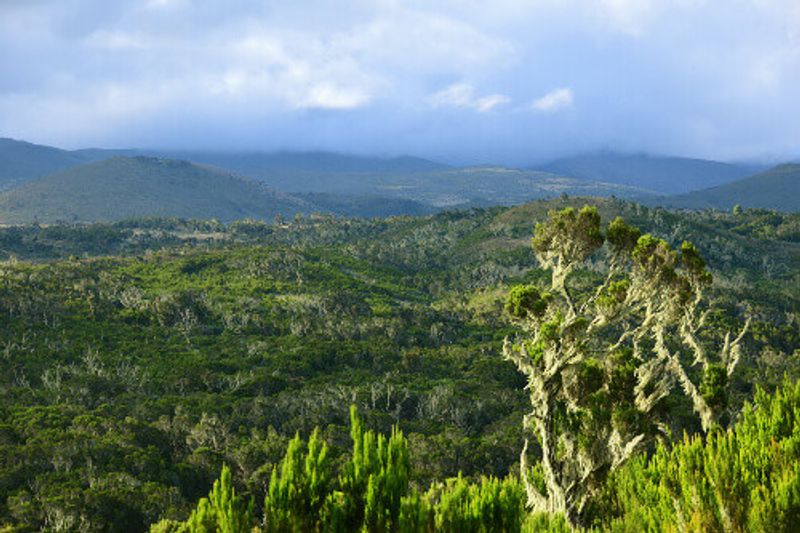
(46, 184)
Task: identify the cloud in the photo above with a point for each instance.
(707, 78)
(463, 95)
(114, 40)
(326, 96)
(554, 101)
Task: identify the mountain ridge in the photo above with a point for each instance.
(775, 188)
(664, 174)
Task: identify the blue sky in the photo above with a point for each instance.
(507, 81)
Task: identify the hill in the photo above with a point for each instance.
(665, 175)
(22, 161)
(776, 188)
(125, 187)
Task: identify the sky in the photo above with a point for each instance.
(500, 81)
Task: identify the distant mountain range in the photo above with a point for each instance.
(21, 161)
(775, 188)
(127, 187)
(46, 184)
(663, 175)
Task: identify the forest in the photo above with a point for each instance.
(566, 364)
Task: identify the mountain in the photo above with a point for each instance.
(279, 169)
(776, 188)
(126, 187)
(665, 175)
(22, 161)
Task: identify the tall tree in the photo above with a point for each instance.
(599, 360)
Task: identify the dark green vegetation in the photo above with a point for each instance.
(125, 187)
(662, 175)
(776, 188)
(128, 381)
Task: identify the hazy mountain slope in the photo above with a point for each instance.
(22, 161)
(666, 175)
(271, 166)
(124, 187)
(776, 188)
(402, 178)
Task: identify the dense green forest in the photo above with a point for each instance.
(321, 372)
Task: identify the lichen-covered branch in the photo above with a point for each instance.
(598, 362)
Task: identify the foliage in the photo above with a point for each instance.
(373, 494)
(744, 479)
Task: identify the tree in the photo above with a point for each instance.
(297, 491)
(598, 360)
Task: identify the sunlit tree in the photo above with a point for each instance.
(599, 359)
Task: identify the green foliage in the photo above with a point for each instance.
(613, 295)
(526, 300)
(491, 505)
(743, 479)
(547, 523)
(375, 479)
(622, 237)
(714, 386)
(573, 235)
(299, 488)
(655, 257)
(694, 264)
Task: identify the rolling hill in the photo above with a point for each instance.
(776, 188)
(22, 161)
(126, 187)
(665, 175)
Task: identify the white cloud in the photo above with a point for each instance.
(487, 103)
(166, 4)
(327, 96)
(463, 95)
(554, 101)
